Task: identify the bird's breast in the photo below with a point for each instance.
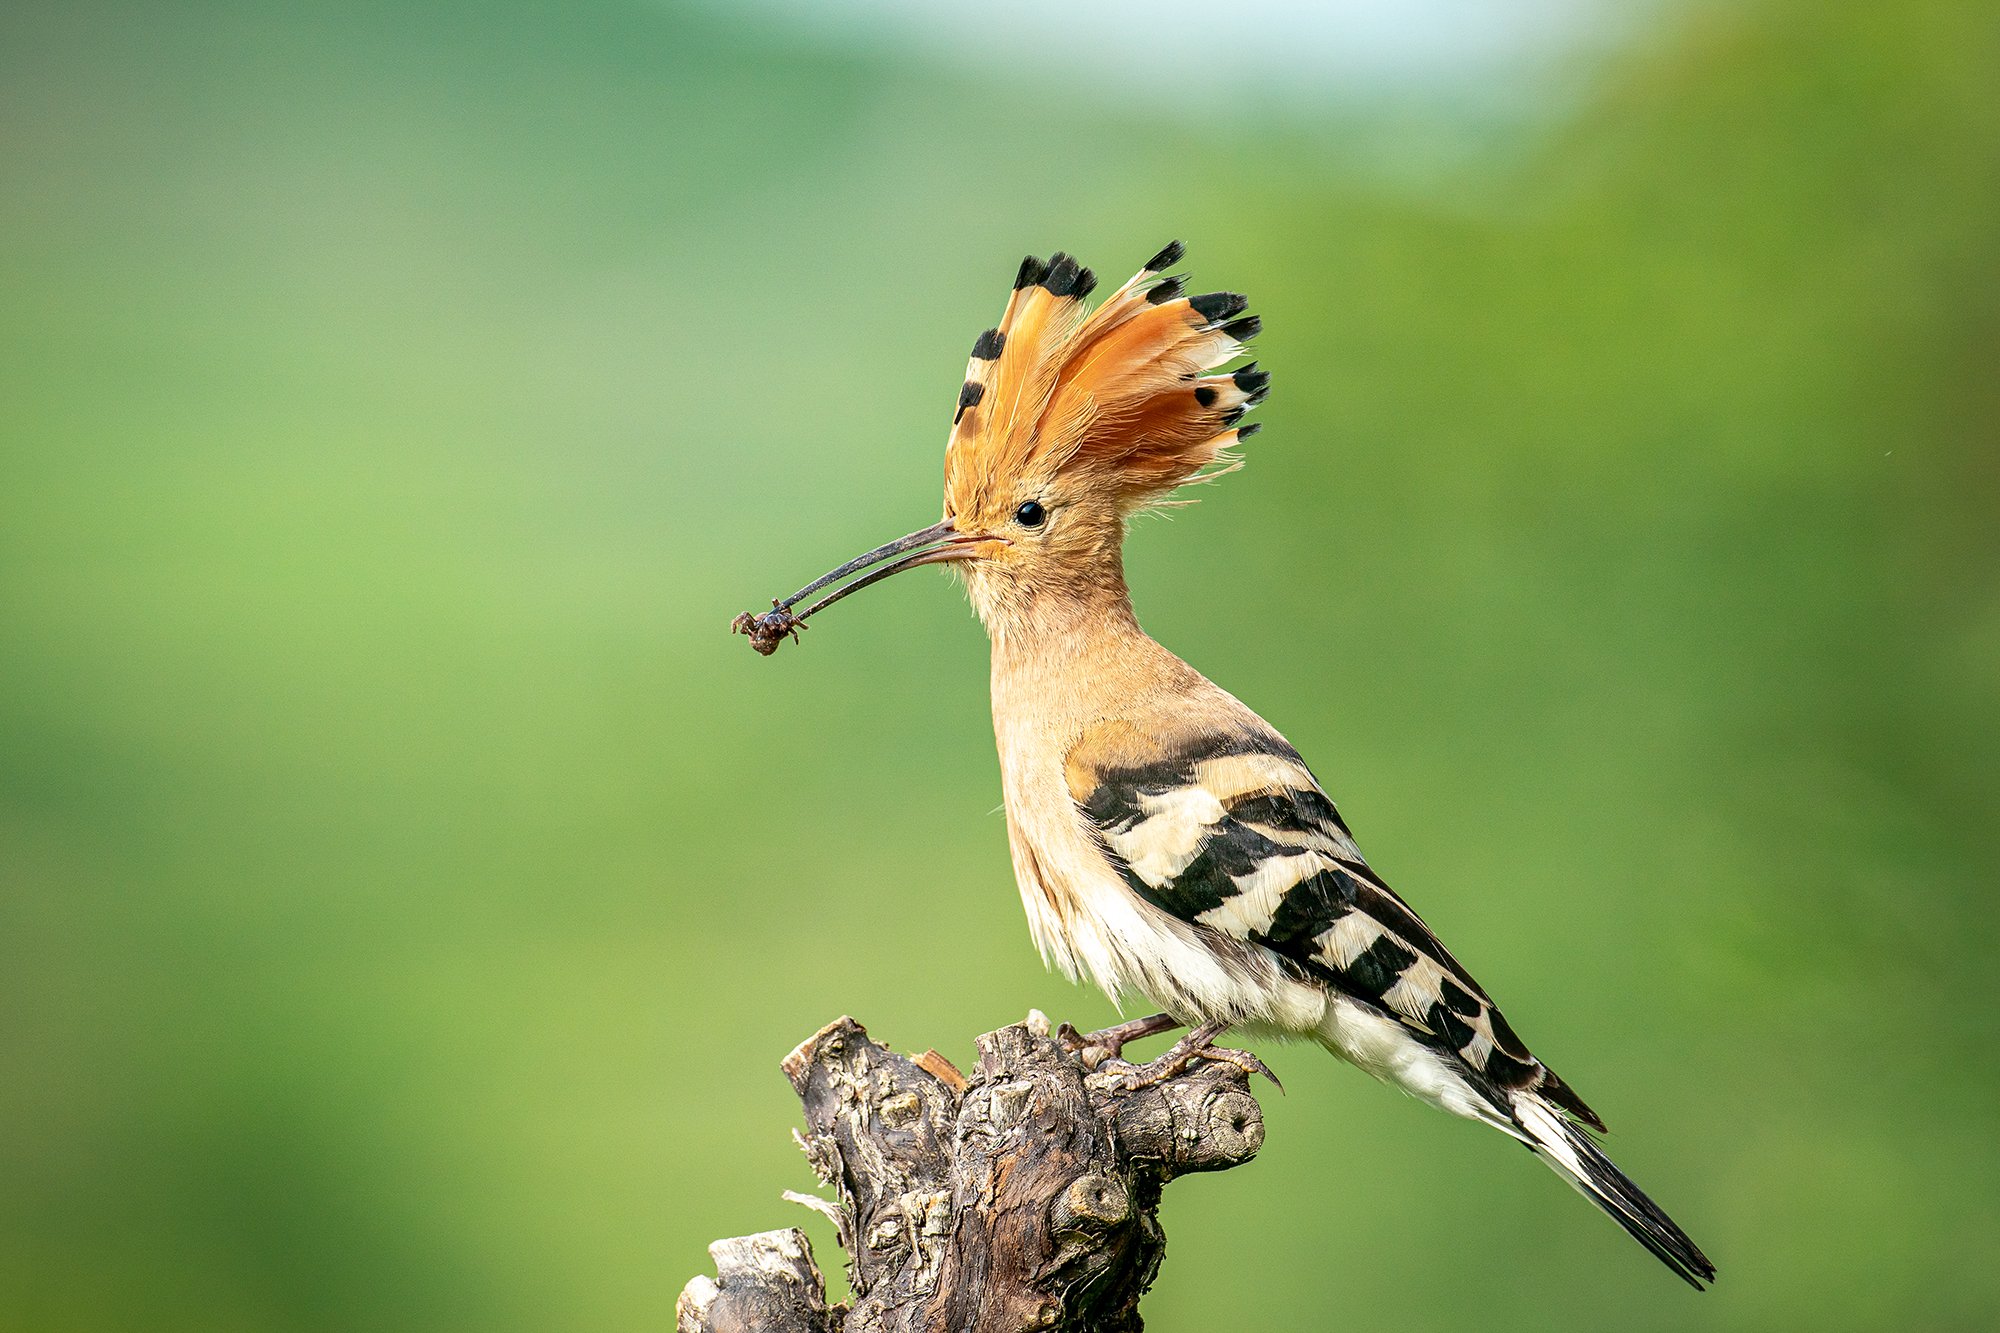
(1052, 865)
(1087, 921)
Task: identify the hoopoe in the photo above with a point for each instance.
(1166, 839)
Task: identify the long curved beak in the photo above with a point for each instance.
(938, 544)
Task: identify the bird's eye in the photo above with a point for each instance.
(1031, 514)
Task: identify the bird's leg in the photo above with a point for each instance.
(1094, 1048)
(1198, 1045)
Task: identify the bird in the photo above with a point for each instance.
(1166, 839)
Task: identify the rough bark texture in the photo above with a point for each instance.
(1021, 1198)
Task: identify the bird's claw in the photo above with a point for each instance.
(1092, 1049)
(1198, 1045)
(1072, 1040)
(1247, 1061)
(1089, 1050)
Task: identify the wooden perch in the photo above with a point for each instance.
(1022, 1198)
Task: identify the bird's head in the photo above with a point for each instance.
(1070, 420)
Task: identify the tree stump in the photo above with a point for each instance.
(1024, 1197)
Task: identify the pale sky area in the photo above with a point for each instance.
(1196, 51)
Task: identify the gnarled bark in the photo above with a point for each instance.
(1023, 1197)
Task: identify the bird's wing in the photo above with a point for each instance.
(1231, 833)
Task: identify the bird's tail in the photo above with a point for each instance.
(1577, 1158)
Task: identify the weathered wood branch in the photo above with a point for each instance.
(1023, 1197)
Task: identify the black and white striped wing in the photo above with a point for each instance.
(1234, 835)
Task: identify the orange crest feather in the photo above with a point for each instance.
(1114, 398)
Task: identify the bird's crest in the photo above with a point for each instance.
(1113, 400)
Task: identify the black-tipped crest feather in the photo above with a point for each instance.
(1101, 395)
(968, 396)
(1218, 306)
(1061, 278)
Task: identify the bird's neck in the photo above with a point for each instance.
(1066, 656)
(1033, 620)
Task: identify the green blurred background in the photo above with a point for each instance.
(407, 890)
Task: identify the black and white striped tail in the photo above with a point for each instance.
(1577, 1159)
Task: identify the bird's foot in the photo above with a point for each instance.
(1094, 1048)
(1198, 1045)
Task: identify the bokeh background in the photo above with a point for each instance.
(407, 890)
